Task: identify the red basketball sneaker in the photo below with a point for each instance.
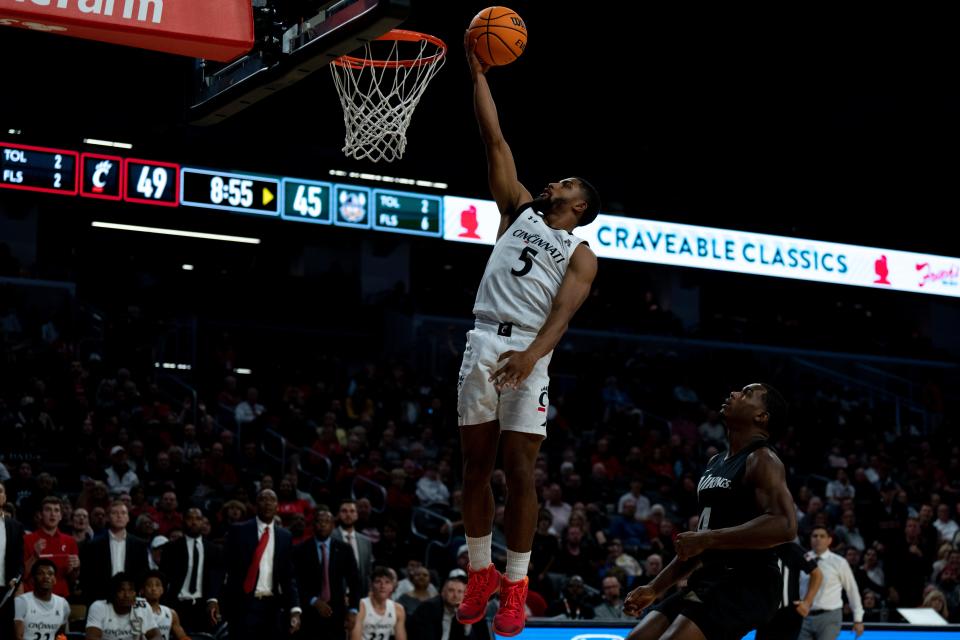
(512, 614)
(481, 585)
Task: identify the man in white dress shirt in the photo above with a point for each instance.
(826, 615)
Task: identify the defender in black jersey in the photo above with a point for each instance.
(746, 510)
(785, 625)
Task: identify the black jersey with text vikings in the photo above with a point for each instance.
(725, 500)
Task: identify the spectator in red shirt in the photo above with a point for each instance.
(167, 517)
(610, 462)
(217, 469)
(49, 542)
(290, 504)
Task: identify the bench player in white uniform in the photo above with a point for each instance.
(40, 614)
(379, 617)
(167, 619)
(536, 278)
(121, 617)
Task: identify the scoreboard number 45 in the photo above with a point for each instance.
(307, 201)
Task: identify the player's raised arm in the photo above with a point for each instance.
(501, 170)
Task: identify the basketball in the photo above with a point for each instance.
(500, 35)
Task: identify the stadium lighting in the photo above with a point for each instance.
(108, 143)
(174, 232)
(374, 177)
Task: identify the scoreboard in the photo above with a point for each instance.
(38, 169)
(306, 201)
(403, 212)
(152, 182)
(229, 191)
(168, 184)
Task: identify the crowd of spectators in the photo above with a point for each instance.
(93, 452)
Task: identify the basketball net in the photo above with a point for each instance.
(379, 91)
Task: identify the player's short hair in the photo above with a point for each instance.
(154, 573)
(117, 580)
(51, 500)
(823, 528)
(381, 572)
(39, 564)
(592, 196)
(776, 409)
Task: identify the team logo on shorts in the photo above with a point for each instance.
(544, 400)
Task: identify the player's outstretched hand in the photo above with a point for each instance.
(518, 366)
(638, 600)
(690, 544)
(476, 67)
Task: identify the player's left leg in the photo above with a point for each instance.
(651, 627)
(519, 457)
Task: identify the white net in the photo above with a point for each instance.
(378, 94)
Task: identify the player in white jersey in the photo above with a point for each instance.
(379, 617)
(121, 617)
(167, 619)
(40, 614)
(536, 278)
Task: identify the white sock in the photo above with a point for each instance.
(479, 551)
(517, 565)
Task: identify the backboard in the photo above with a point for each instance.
(292, 41)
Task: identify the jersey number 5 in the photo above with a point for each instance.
(526, 257)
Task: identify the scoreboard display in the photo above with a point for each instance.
(229, 191)
(38, 169)
(306, 201)
(101, 176)
(152, 182)
(407, 213)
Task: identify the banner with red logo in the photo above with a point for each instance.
(683, 245)
(213, 29)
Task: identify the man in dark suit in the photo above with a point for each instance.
(194, 567)
(260, 585)
(105, 557)
(11, 563)
(325, 590)
(436, 618)
(361, 544)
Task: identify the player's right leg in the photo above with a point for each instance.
(683, 628)
(479, 445)
(477, 404)
(651, 627)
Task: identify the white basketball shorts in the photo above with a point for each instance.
(522, 409)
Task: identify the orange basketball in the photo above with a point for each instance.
(500, 34)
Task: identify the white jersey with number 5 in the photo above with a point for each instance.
(40, 619)
(524, 272)
(377, 626)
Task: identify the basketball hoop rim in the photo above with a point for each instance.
(352, 62)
